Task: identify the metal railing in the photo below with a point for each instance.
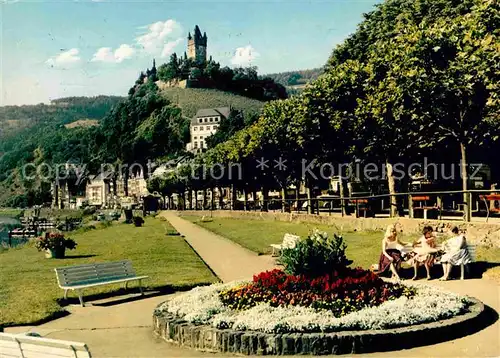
(452, 204)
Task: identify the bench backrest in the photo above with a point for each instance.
(94, 273)
(16, 345)
(289, 241)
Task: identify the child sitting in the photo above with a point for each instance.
(424, 252)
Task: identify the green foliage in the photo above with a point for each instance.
(292, 78)
(316, 255)
(244, 81)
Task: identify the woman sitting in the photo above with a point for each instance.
(424, 252)
(391, 256)
(455, 253)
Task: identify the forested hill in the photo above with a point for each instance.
(15, 119)
(295, 78)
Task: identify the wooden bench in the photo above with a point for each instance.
(289, 242)
(23, 346)
(77, 278)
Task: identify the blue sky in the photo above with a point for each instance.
(85, 48)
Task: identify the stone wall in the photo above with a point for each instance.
(205, 338)
(480, 233)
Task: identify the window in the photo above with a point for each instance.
(195, 128)
(200, 120)
(201, 128)
(211, 119)
(195, 145)
(206, 120)
(201, 137)
(195, 138)
(216, 119)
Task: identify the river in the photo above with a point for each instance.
(6, 224)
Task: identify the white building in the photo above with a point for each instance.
(203, 125)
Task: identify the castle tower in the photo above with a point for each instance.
(197, 46)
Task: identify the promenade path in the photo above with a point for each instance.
(114, 329)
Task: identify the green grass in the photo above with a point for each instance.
(362, 247)
(193, 99)
(11, 213)
(28, 286)
(256, 235)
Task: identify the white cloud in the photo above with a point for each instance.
(169, 47)
(157, 36)
(106, 54)
(64, 58)
(244, 56)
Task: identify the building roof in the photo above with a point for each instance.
(211, 112)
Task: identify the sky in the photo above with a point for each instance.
(54, 49)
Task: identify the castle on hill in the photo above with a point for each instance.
(197, 46)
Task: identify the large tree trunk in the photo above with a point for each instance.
(283, 200)
(393, 201)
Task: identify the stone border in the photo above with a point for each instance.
(206, 338)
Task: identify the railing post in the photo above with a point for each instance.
(468, 206)
(410, 206)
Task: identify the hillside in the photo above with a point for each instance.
(295, 79)
(14, 120)
(193, 99)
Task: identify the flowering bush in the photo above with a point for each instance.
(203, 306)
(54, 241)
(315, 255)
(341, 294)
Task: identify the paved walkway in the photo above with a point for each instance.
(124, 329)
(228, 260)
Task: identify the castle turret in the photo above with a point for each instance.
(197, 45)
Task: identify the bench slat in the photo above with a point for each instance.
(37, 347)
(94, 273)
(100, 283)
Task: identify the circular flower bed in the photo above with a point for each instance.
(415, 305)
(315, 292)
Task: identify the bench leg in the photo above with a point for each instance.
(126, 284)
(140, 288)
(65, 294)
(81, 298)
(462, 271)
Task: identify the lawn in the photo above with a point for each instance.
(362, 247)
(28, 286)
(256, 235)
(11, 213)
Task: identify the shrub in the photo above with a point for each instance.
(138, 221)
(316, 255)
(54, 241)
(89, 210)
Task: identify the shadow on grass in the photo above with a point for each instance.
(79, 256)
(123, 295)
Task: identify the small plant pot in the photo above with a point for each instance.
(58, 253)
